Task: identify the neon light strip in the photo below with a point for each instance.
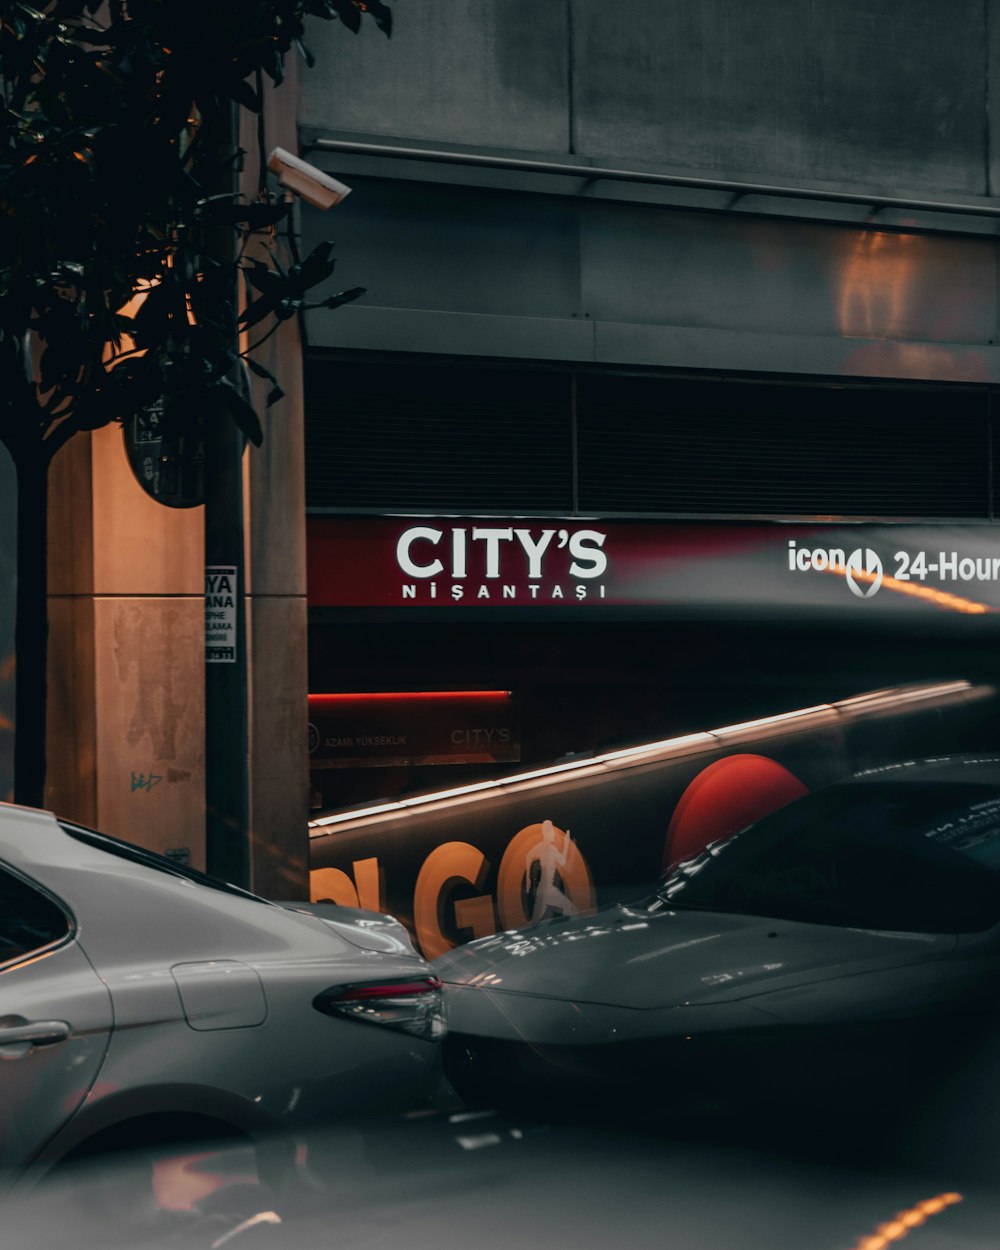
(875, 702)
(410, 696)
(941, 598)
(904, 1222)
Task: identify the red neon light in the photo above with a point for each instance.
(412, 696)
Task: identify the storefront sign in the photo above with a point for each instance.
(386, 562)
(425, 727)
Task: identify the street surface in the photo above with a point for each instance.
(451, 1178)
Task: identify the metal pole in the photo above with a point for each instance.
(227, 741)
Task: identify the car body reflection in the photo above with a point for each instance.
(840, 952)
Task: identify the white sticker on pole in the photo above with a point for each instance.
(220, 614)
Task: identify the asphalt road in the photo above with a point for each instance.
(450, 1178)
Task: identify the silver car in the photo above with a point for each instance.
(144, 1002)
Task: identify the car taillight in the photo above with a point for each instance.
(415, 1007)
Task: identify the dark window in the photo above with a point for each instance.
(29, 919)
(916, 858)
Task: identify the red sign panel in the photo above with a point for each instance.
(425, 562)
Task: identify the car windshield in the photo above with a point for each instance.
(149, 859)
(916, 857)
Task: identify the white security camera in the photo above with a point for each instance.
(312, 184)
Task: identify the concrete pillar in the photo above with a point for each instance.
(126, 679)
(126, 650)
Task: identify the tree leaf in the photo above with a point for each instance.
(304, 52)
(256, 367)
(257, 215)
(257, 311)
(244, 94)
(316, 267)
(263, 279)
(274, 67)
(348, 13)
(342, 297)
(242, 412)
(382, 15)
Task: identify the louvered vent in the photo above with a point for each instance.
(388, 436)
(437, 438)
(659, 446)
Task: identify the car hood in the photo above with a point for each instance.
(633, 957)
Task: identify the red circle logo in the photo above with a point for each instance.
(725, 797)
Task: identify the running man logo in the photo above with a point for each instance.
(542, 874)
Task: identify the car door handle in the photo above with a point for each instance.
(36, 1032)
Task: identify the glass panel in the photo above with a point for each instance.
(918, 857)
(28, 919)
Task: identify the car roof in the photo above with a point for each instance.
(32, 835)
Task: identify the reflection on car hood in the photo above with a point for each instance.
(633, 957)
(369, 930)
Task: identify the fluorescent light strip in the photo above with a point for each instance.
(687, 740)
(821, 711)
(855, 708)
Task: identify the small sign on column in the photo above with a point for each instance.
(220, 614)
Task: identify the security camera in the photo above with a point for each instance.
(314, 186)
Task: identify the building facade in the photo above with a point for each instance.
(673, 268)
(660, 275)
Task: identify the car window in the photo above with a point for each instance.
(914, 857)
(29, 919)
(149, 859)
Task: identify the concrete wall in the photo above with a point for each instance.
(893, 98)
(466, 270)
(879, 95)
(887, 95)
(479, 72)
